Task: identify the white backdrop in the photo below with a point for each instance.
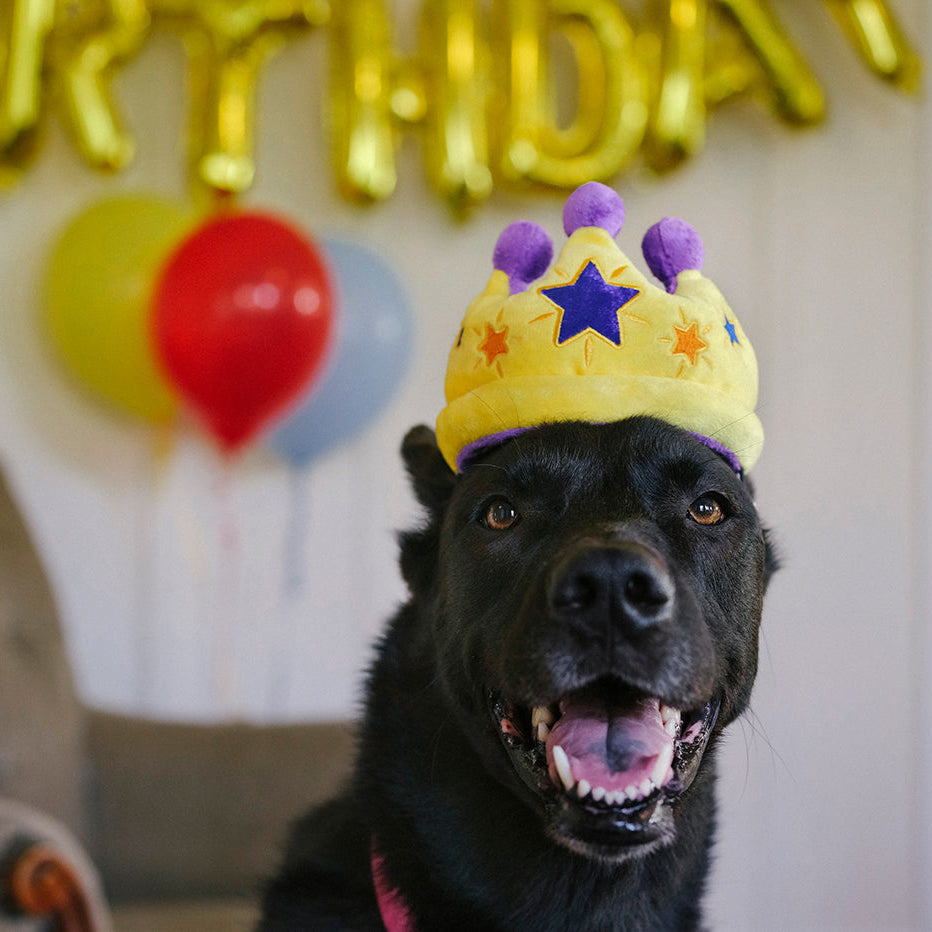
(169, 564)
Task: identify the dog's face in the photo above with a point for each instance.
(596, 600)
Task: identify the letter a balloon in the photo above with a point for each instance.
(242, 319)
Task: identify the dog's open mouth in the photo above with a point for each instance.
(606, 762)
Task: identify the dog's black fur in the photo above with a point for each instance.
(522, 593)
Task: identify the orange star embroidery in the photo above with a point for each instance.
(688, 342)
(494, 344)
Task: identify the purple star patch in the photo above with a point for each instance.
(590, 303)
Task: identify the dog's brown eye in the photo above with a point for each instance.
(500, 515)
(707, 509)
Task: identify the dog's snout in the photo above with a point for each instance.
(626, 584)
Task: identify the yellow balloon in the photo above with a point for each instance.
(99, 279)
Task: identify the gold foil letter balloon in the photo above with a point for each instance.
(25, 25)
(550, 91)
(91, 40)
(455, 59)
(374, 92)
(796, 95)
(677, 126)
(362, 68)
(612, 97)
(228, 41)
(876, 34)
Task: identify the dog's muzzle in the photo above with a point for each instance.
(606, 744)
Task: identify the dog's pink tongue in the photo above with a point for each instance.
(614, 747)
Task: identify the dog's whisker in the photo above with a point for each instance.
(752, 720)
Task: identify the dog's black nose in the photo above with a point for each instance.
(625, 584)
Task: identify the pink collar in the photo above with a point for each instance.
(395, 913)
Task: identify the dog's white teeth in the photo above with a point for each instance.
(540, 714)
(619, 797)
(662, 766)
(562, 763)
(610, 797)
(542, 731)
(671, 719)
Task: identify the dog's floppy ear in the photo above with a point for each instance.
(433, 482)
(431, 477)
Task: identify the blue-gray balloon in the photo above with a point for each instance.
(371, 354)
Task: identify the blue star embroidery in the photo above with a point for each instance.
(732, 333)
(590, 303)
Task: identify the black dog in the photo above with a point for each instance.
(541, 716)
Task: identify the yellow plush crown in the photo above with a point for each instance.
(592, 339)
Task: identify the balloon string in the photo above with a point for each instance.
(296, 532)
(293, 589)
(226, 628)
(155, 460)
(143, 558)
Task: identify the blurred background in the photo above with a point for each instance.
(207, 582)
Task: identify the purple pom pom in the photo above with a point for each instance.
(594, 205)
(670, 247)
(523, 251)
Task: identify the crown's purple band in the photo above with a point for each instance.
(473, 449)
(483, 443)
(723, 451)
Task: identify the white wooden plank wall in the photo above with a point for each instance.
(169, 568)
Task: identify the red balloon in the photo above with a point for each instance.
(242, 319)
